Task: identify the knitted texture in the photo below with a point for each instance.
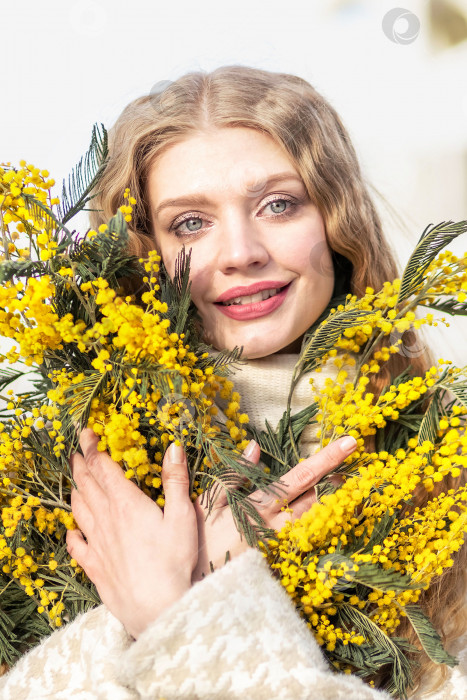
(264, 385)
(79, 661)
(236, 634)
(233, 635)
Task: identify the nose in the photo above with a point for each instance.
(241, 246)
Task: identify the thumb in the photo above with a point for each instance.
(175, 480)
(251, 453)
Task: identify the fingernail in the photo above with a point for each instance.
(348, 443)
(249, 449)
(176, 454)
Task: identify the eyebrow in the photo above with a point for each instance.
(191, 200)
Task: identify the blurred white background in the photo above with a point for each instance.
(396, 76)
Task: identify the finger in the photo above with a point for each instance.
(88, 441)
(176, 483)
(276, 497)
(76, 546)
(101, 466)
(307, 473)
(251, 453)
(77, 464)
(303, 476)
(89, 489)
(301, 505)
(306, 500)
(81, 513)
(250, 456)
(80, 471)
(336, 479)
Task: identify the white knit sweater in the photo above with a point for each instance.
(234, 635)
(264, 385)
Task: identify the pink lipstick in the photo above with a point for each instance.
(246, 312)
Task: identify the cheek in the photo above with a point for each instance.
(319, 261)
(167, 248)
(201, 284)
(306, 250)
(169, 263)
(168, 254)
(200, 276)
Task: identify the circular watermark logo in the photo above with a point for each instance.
(253, 183)
(401, 26)
(88, 19)
(411, 344)
(176, 406)
(158, 95)
(263, 500)
(245, 178)
(321, 259)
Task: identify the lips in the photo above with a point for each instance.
(235, 292)
(247, 312)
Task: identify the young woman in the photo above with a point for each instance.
(254, 172)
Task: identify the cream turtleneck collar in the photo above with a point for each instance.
(264, 384)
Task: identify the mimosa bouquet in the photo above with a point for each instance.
(135, 369)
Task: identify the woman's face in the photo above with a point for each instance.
(244, 230)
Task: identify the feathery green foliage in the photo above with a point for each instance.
(105, 376)
(84, 178)
(431, 242)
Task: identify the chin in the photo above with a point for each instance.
(253, 351)
(256, 347)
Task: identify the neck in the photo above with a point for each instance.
(264, 385)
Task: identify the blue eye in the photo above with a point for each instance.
(190, 220)
(191, 217)
(277, 201)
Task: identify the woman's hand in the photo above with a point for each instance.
(218, 533)
(140, 558)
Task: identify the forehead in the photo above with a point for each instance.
(224, 159)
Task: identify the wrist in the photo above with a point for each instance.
(201, 570)
(143, 615)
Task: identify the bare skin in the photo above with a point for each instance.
(142, 560)
(237, 237)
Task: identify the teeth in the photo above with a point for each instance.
(261, 296)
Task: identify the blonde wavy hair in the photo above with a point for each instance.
(301, 121)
